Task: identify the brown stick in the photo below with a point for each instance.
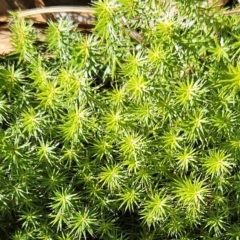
(35, 11)
(231, 12)
(84, 10)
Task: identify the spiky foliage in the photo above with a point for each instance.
(116, 136)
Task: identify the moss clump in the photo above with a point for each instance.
(106, 136)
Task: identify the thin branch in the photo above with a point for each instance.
(35, 11)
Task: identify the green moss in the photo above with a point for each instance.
(104, 136)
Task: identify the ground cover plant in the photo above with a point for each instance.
(131, 132)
